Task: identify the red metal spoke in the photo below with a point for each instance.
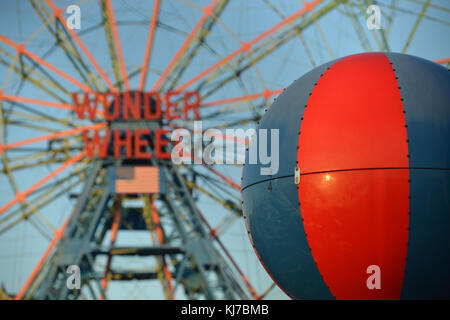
(58, 235)
(231, 138)
(227, 253)
(160, 235)
(20, 48)
(148, 49)
(266, 94)
(217, 173)
(207, 11)
(20, 196)
(51, 136)
(308, 6)
(442, 61)
(221, 176)
(58, 14)
(115, 224)
(35, 101)
(113, 237)
(117, 45)
(45, 103)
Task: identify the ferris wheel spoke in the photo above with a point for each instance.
(32, 115)
(113, 237)
(65, 42)
(240, 122)
(390, 17)
(221, 180)
(218, 184)
(21, 196)
(267, 291)
(226, 223)
(25, 70)
(244, 279)
(236, 74)
(267, 94)
(237, 38)
(396, 9)
(40, 227)
(155, 218)
(385, 40)
(57, 236)
(44, 103)
(184, 62)
(220, 201)
(111, 47)
(39, 221)
(32, 159)
(45, 77)
(51, 136)
(117, 45)
(49, 80)
(27, 125)
(324, 39)
(207, 11)
(221, 176)
(416, 25)
(246, 47)
(229, 256)
(149, 45)
(235, 108)
(44, 199)
(297, 30)
(348, 9)
(21, 50)
(442, 61)
(39, 83)
(57, 13)
(263, 50)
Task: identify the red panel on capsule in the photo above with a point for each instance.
(356, 216)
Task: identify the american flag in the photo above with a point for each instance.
(137, 179)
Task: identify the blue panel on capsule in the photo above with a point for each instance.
(425, 88)
(274, 219)
(427, 272)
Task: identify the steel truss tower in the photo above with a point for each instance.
(185, 249)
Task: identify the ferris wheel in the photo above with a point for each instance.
(176, 230)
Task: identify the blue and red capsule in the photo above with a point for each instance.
(370, 135)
